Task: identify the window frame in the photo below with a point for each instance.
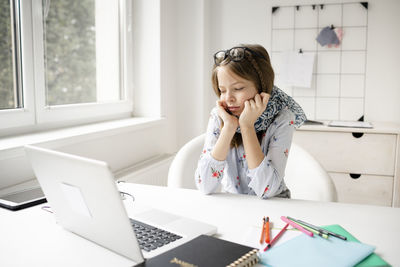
(35, 115)
(17, 117)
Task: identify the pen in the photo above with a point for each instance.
(276, 237)
(263, 231)
(336, 235)
(267, 234)
(295, 225)
(322, 230)
(315, 231)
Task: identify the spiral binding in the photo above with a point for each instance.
(247, 260)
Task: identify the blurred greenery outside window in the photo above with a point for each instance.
(70, 51)
(80, 54)
(7, 90)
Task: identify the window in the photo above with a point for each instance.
(9, 95)
(69, 39)
(63, 62)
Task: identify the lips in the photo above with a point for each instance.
(232, 109)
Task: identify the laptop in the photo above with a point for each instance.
(84, 197)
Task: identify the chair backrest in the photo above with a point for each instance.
(304, 176)
(181, 171)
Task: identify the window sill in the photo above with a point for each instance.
(13, 146)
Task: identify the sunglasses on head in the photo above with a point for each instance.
(235, 54)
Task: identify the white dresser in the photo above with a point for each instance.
(363, 163)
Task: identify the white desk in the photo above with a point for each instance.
(31, 237)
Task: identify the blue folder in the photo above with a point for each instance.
(316, 251)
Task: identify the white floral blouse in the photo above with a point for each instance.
(266, 180)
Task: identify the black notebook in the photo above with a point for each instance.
(206, 251)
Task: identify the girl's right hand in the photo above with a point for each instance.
(230, 121)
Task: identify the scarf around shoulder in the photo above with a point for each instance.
(279, 100)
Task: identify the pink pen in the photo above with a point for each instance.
(295, 225)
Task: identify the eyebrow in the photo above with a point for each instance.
(231, 84)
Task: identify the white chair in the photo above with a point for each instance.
(304, 176)
(181, 171)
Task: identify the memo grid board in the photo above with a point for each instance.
(338, 81)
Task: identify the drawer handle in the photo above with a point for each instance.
(357, 135)
(355, 175)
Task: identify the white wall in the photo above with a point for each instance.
(231, 22)
(190, 45)
(146, 57)
(383, 61)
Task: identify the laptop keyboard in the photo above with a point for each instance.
(150, 237)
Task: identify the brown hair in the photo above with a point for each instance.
(256, 68)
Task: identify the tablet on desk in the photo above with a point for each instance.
(22, 199)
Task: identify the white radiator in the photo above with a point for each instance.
(153, 171)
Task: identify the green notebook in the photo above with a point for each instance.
(372, 260)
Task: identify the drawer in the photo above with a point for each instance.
(366, 189)
(342, 152)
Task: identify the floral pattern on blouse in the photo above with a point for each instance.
(216, 173)
(241, 160)
(266, 180)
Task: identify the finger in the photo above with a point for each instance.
(221, 104)
(265, 95)
(221, 109)
(246, 104)
(265, 98)
(252, 103)
(257, 100)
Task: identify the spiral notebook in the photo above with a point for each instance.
(206, 251)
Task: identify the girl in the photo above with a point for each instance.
(250, 130)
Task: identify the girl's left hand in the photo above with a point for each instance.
(253, 108)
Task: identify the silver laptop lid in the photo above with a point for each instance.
(85, 200)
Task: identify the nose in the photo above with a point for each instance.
(229, 97)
